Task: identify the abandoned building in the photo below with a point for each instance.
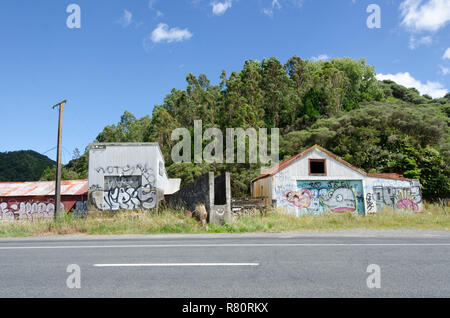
(212, 192)
(36, 200)
(316, 181)
(127, 176)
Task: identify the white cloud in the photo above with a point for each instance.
(416, 42)
(269, 11)
(163, 33)
(434, 89)
(276, 5)
(321, 57)
(126, 18)
(444, 70)
(446, 54)
(151, 6)
(428, 15)
(219, 8)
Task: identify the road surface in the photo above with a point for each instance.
(412, 264)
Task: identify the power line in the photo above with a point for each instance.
(44, 153)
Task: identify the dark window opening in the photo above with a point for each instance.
(220, 195)
(317, 167)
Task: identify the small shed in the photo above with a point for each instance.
(317, 181)
(36, 200)
(127, 176)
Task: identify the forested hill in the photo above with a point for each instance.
(23, 165)
(338, 104)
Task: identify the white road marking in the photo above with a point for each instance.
(176, 264)
(224, 245)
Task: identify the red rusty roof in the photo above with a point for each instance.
(394, 176)
(42, 188)
(274, 170)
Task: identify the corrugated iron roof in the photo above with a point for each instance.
(274, 170)
(393, 176)
(42, 188)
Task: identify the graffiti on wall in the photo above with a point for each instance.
(126, 193)
(129, 187)
(130, 170)
(80, 209)
(398, 198)
(317, 197)
(370, 203)
(27, 210)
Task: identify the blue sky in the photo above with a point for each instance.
(128, 55)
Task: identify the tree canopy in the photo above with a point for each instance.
(19, 166)
(338, 104)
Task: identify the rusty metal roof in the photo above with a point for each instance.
(393, 176)
(42, 188)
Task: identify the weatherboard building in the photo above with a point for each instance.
(317, 181)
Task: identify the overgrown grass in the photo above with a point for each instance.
(434, 217)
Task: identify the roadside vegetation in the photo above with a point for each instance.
(435, 217)
(19, 166)
(378, 126)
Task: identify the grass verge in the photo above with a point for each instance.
(434, 217)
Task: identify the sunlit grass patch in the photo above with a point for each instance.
(170, 221)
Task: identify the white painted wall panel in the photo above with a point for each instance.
(126, 176)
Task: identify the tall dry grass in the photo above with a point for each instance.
(435, 217)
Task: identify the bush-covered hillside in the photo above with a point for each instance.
(338, 104)
(17, 166)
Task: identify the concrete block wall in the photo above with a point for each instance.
(191, 195)
(214, 193)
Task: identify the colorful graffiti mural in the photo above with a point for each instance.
(317, 197)
(397, 198)
(301, 199)
(341, 200)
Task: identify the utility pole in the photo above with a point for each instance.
(58, 211)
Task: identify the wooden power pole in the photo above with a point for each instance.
(58, 211)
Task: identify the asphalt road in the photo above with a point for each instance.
(412, 264)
